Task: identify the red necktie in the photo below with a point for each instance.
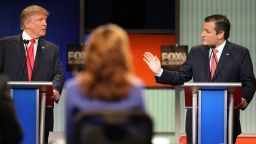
(30, 58)
(214, 62)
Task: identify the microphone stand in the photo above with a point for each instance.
(21, 72)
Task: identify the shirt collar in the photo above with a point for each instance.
(221, 47)
(27, 37)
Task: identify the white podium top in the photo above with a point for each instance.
(29, 83)
(195, 86)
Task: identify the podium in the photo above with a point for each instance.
(212, 110)
(30, 108)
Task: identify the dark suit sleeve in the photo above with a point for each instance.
(247, 76)
(58, 76)
(184, 74)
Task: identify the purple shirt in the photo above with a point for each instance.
(76, 100)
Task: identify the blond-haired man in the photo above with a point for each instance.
(28, 57)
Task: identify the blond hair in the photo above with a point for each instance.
(30, 11)
(107, 64)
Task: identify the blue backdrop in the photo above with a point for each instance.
(63, 22)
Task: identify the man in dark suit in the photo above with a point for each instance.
(28, 57)
(216, 60)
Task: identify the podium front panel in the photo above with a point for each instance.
(26, 103)
(212, 116)
(211, 112)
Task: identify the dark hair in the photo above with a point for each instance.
(4, 88)
(221, 23)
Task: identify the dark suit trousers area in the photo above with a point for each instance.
(48, 123)
(236, 125)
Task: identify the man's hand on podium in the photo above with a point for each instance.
(56, 95)
(243, 104)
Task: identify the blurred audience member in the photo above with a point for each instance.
(10, 130)
(107, 82)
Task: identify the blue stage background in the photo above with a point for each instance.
(63, 22)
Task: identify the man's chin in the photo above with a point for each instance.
(209, 46)
(42, 34)
(205, 43)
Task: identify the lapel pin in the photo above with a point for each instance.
(227, 54)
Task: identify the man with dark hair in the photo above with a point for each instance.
(28, 57)
(216, 60)
(10, 130)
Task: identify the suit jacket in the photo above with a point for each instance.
(47, 66)
(234, 65)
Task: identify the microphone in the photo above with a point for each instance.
(212, 47)
(20, 73)
(26, 43)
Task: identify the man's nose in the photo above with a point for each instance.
(202, 34)
(44, 22)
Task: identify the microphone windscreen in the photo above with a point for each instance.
(212, 46)
(26, 41)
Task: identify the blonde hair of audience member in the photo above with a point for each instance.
(30, 11)
(108, 70)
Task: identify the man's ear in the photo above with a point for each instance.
(27, 24)
(221, 35)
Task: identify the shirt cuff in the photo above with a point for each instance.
(160, 73)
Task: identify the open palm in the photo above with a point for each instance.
(152, 61)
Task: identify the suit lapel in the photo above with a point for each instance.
(19, 48)
(225, 55)
(206, 63)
